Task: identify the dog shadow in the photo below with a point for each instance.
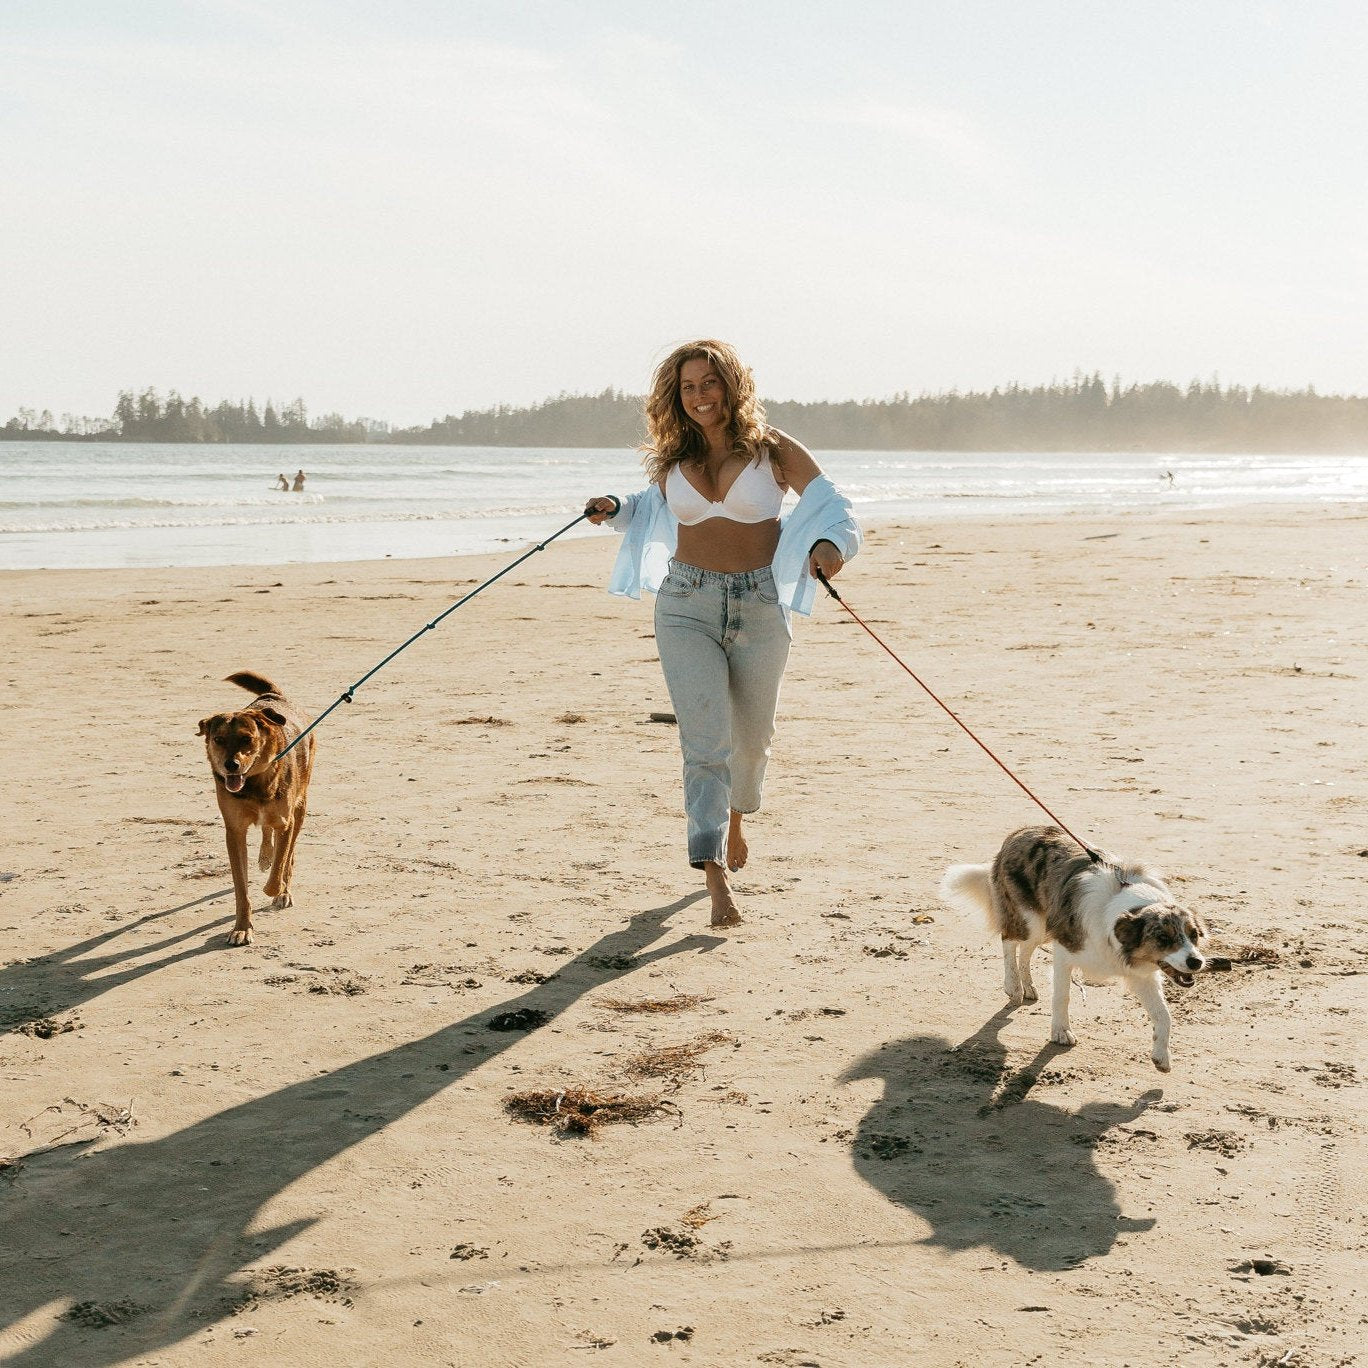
(958, 1138)
(47, 985)
(148, 1240)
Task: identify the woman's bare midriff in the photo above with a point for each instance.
(726, 546)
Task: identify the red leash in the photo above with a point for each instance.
(951, 715)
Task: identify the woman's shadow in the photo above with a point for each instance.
(958, 1137)
(148, 1238)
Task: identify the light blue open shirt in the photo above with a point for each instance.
(650, 531)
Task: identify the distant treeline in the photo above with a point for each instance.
(610, 419)
(147, 417)
(1083, 414)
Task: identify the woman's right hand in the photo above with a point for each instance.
(600, 509)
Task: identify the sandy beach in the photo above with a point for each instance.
(845, 1150)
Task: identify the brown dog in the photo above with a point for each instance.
(254, 790)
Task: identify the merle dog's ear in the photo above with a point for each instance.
(1130, 930)
(272, 715)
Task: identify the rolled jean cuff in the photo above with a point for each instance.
(710, 847)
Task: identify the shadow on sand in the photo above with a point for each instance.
(157, 1231)
(50, 984)
(958, 1137)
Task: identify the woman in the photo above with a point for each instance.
(706, 538)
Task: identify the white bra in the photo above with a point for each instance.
(754, 496)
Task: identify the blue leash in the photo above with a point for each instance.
(347, 697)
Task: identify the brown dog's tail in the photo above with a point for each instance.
(254, 683)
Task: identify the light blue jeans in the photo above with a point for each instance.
(723, 641)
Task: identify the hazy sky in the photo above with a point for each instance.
(409, 208)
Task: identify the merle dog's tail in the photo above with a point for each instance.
(969, 888)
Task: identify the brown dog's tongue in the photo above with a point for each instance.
(233, 782)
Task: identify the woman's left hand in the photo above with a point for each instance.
(826, 558)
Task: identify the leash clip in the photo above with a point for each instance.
(826, 584)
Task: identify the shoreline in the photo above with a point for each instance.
(1254, 512)
(97, 515)
(308, 1139)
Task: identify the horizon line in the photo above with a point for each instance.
(905, 396)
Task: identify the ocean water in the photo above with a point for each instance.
(110, 505)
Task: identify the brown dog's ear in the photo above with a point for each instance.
(1130, 931)
(273, 716)
(205, 724)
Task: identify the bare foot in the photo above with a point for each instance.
(737, 849)
(724, 909)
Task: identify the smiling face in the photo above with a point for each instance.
(235, 742)
(703, 394)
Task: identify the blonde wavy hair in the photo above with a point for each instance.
(672, 436)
